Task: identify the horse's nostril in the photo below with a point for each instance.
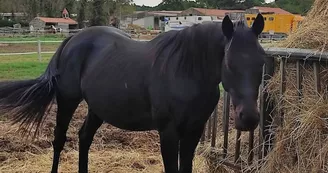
(241, 115)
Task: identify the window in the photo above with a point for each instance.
(271, 18)
(248, 18)
(199, 18)
(253, 18)
(185, 17)
(265, 18)
(177, 18)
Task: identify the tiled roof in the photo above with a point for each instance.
(58, 20)
(215, 12)
(164, 13)
(272, 10)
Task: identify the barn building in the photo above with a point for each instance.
(207, 12)
(148, 19)
(65, 22)
(263, 10)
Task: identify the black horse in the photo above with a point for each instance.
(169, 84)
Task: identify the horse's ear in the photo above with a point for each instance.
(258, 25)
(227, 27)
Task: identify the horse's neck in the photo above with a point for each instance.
(193, 52)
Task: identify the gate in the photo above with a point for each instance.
(278, 58)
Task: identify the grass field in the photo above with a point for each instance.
(22, 66)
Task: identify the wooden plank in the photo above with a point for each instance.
(226, 113)
(296, 53)
(316, 70)
(266, 107)
(282, 88)
(299, 79)
(215, 123)
(237, 149)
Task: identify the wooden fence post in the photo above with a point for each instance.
(39, 50)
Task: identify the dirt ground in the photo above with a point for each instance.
(113, 150)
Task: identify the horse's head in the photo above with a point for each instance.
(242, 70)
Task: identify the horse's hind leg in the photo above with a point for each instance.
(86, 134)
(65, 112)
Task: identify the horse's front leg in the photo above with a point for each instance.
(188, 144)
(169, 141)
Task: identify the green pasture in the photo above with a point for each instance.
(22, 66)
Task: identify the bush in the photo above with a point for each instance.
(7, 23)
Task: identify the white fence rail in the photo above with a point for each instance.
(25, 42)
(39, 51)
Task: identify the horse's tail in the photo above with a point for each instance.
(27, 101)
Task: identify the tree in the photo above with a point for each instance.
(180, 4)
(32, 8)
(295, 6)
(53, 8)
(81, 13)
(98, 13)
(223, 4)
(69, 5)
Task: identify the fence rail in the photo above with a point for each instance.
(38, 48)
(277, 58)
(26, 42)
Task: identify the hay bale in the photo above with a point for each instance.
(312, 33)
(301, 144)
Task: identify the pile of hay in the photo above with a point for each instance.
(113, 149)
(301, 144)
(312, 34)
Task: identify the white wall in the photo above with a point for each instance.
(145, 22)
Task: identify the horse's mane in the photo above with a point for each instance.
(196, 47)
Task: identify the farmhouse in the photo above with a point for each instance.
(207, 12)
(65, 23)
(148, 19)
(257, 9)
(154, 20)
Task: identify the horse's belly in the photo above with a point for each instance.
(134, 121)
(125, 110)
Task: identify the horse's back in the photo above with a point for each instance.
(81, 50)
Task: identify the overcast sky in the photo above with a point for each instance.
(156, 2)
